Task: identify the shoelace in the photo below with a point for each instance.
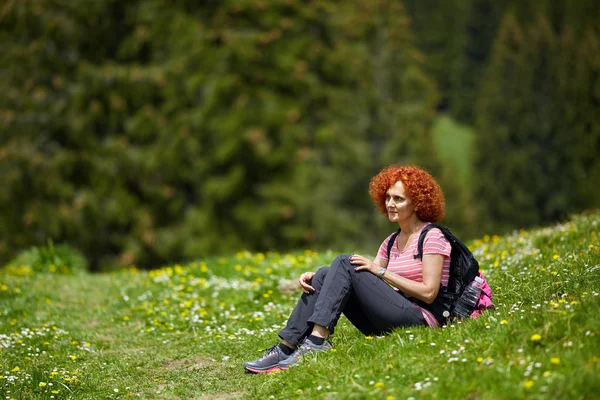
(268, 352)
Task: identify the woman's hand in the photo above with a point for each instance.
(364, 264)
(305, 280)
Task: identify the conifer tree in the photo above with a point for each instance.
(578, 77)
(476, 37)
(500, 155)
(439, 30)
(536, 124)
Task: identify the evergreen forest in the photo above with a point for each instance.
(146, 132)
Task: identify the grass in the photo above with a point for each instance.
(183, 332)
(454, 143)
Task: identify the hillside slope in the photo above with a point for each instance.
(183, 332)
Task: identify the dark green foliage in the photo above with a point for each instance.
(538, 118)
(474, 43)
(149, 131)
(439, 29)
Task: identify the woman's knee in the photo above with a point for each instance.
(343, 260)
(321, 273)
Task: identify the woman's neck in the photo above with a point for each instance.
(411, 226)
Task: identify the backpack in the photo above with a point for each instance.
(463, 270)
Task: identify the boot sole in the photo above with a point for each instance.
(262, 371)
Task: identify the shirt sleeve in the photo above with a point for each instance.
(436, 243)
(382, 253)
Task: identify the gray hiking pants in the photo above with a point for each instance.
(368, 302)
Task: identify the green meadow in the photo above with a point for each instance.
(454, 146)
(184, 331)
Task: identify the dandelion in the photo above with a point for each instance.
(43, 384)
(536, 337)
(503, 322)
(528, 384)
(555, 360)
(379, 384)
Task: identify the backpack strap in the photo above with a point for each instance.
(419, 245)
(422, 239)
(391, 243)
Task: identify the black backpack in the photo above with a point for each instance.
(463, 269)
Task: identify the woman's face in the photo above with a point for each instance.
(399, 205)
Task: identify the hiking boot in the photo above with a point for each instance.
(305, 348)
(269, 362)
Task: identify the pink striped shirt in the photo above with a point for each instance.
(404, 264)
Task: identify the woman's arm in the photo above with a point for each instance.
(425, 291)
(366, 264)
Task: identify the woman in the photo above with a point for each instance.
(371, 293)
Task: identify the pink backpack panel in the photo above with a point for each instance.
(485, 298)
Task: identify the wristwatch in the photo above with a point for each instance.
(381, 272)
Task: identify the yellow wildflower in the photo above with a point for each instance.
(555, 360)
(528, 384)
(536, 337)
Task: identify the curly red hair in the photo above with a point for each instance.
(426, 194)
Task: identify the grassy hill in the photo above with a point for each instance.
(183, 332)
